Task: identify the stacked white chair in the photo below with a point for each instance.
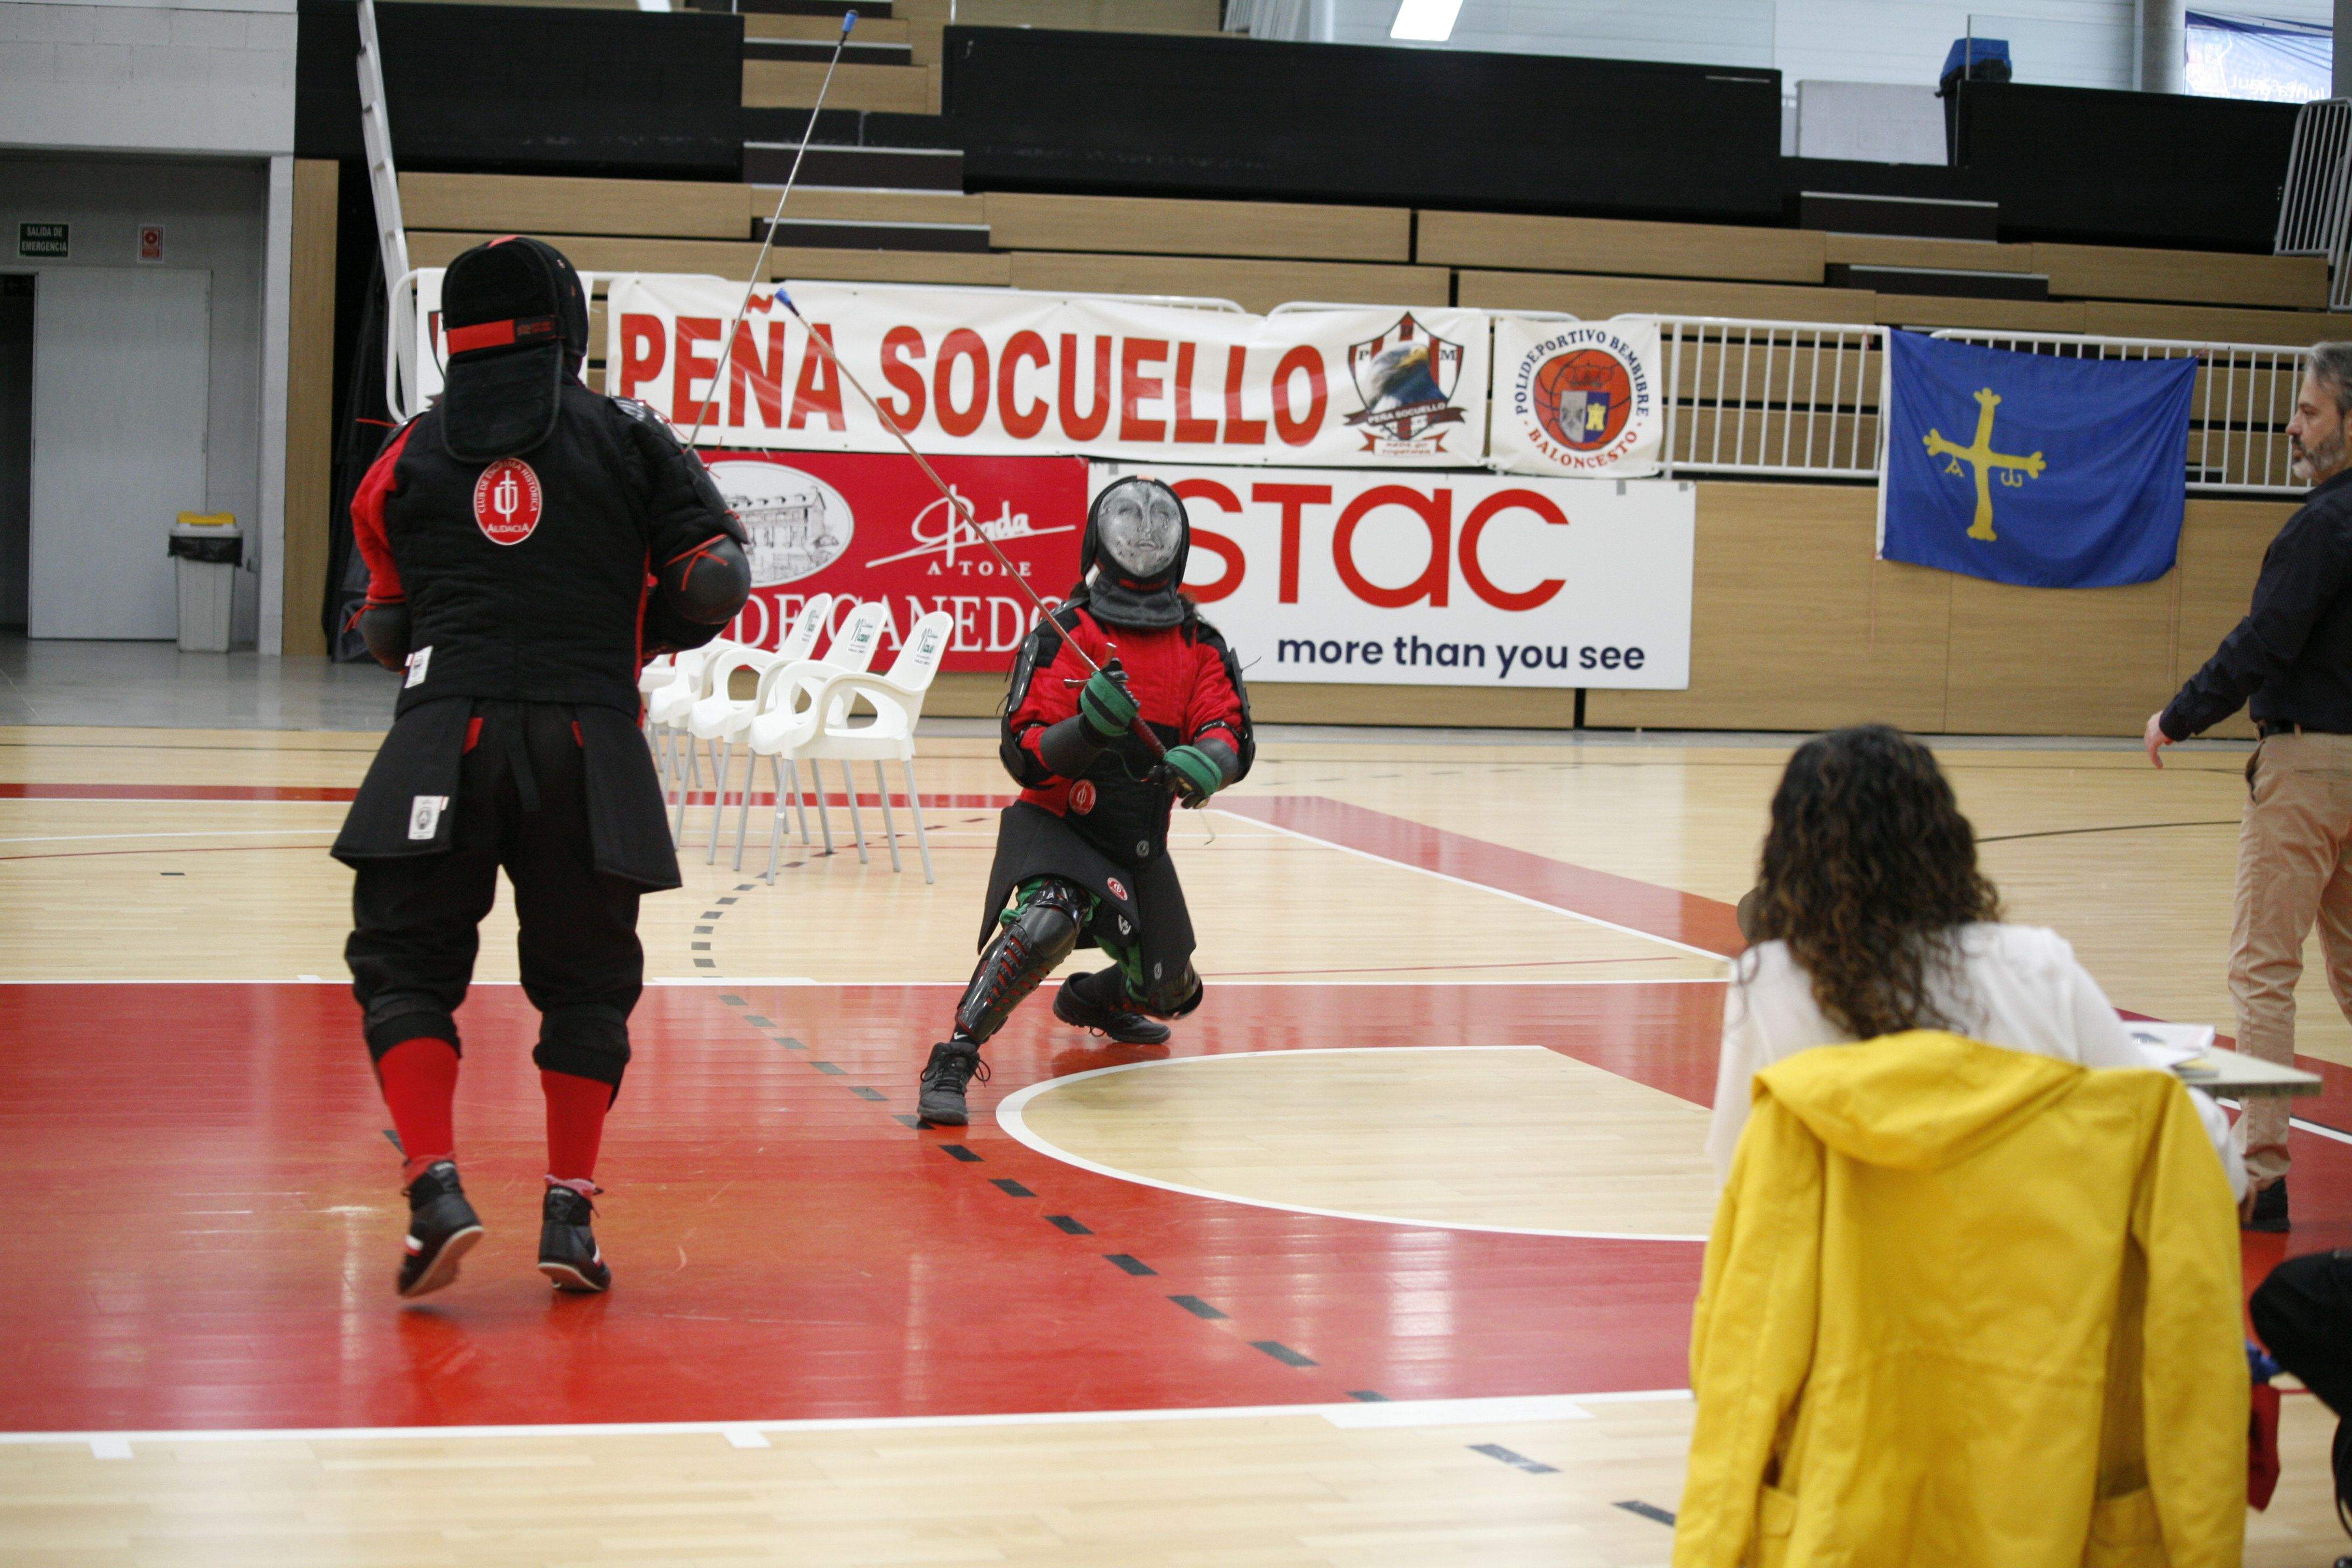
(783, 725)
(665, 713)
(890, 736)
(658, 672)
(719, 719)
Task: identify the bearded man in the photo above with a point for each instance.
(2290, 663)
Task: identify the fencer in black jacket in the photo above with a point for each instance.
(529, 544)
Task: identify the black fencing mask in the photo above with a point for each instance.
(1131, 564)
(515, 320)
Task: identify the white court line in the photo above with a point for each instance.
(1499, 1411)
(1012, 1114)
(197, 833)
(1484, 887)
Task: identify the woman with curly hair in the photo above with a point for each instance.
(1872, 918)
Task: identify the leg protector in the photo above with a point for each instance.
(1041, 933)
(396, 1016)
(588, 1040)
(1173, 995)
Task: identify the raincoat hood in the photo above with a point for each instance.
(1914, 1102)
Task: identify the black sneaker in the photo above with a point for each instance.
(567, 1247)
(2268, 1213)
(1074, 1007)
(953, 1064)
(442, 1228)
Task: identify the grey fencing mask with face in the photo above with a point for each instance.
(1131, 564)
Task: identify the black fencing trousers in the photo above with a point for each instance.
(2303, 1313)
(521, 803)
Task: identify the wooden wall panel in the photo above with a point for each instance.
(1596, 299)
(2016, 315)
(309, 405)
(1621, 246)
(1153, 225)
(1256, 286)
(513, 204)
(1793, 625)
(2222, 545)
(2196, 276)
(2058, 661)
(793, 84)
(2215, 324)
(1958, 255)
(600, 253)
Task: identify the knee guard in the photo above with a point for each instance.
(1173, 995)
(394, 1016)
(589, 1041)
(1023, 953)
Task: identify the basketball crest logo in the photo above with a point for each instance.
(1405, 379)
(1582, 399)
(507, 501)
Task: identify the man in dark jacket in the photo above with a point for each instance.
(1082, 856)
(529, 542)
(2290, 662)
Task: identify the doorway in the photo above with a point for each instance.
(121, 377)
(15, 446)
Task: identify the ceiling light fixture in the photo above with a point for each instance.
(1425, 21)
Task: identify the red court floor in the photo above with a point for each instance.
(203, 1220)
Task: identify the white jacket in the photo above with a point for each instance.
(2017, 987)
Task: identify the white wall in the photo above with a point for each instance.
(210, 87)
(2077, 42)
(147, 77)
(215, 215)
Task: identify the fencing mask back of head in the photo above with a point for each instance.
(515, 320)
(1131, 564)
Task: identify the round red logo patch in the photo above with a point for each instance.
(1116, 889)
(1082, 797)
(506, 501)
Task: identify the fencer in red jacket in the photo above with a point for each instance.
(1082, 856)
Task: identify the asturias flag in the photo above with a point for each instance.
(2034, 469)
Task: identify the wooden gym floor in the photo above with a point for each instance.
(1387, 1260)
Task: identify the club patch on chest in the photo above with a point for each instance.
(507, 501)
(1118, 889)
(1082, 797)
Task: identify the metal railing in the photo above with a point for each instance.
(2238, 413)
(1754, 396)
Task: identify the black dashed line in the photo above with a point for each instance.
(730, 901)
(759, 1023)
(1368, 1395)
(908, 1120)
(1198, 1308)
(1011, 1188)
(1646, 1509)
(958, 1152)
(704, 964)
(704, 931)
(1066, 1225)
(833, 1070)
(1516, 1461)
(789, 1043)
(392, 1138)
(734, 1001)
(1281, 1352)
(1135, 1266)
(698, 946)
(861, 1092)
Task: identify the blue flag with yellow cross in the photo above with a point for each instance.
(2045, 471)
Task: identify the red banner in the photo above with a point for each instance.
(864, 526)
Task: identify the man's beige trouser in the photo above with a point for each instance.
(2295, 864)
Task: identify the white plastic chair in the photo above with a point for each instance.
(783, 725)
(721, 718)
(658, 672)
(889, 735)
(667, 710)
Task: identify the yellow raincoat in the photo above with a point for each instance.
(1965, 1306)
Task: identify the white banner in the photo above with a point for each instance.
(1577, 397)
(1003, 374)
(1345, 575)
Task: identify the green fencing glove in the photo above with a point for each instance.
(1106, 705)
(1193, 775)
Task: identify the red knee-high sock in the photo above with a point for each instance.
(420, 1083)
(575, 1124)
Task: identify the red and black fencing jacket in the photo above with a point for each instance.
(1187, 686)
(526, 578)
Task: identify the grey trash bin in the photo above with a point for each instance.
(207, 548)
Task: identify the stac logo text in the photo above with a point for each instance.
(507, 501)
